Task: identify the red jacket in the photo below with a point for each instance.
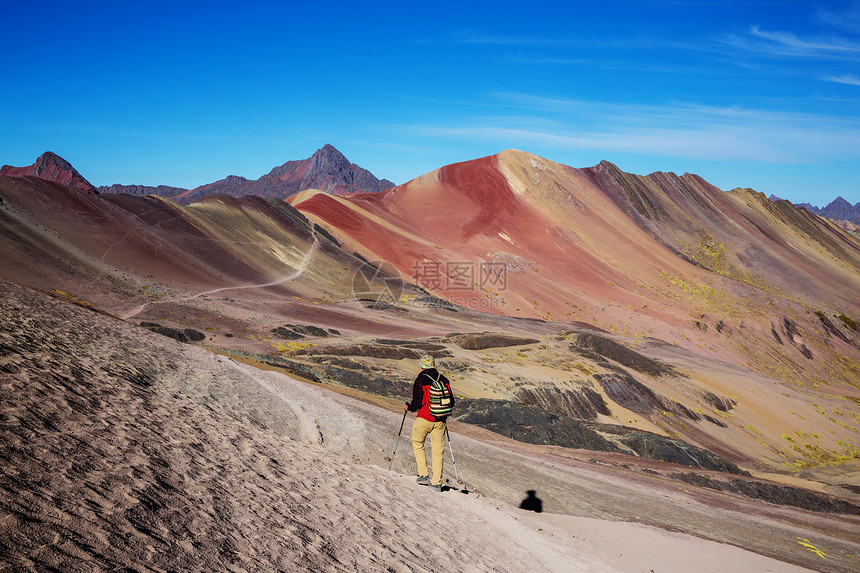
(421, 394)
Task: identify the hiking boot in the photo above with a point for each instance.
(436, 487)
(423, 480)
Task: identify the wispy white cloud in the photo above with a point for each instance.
(486, 133)
(680, 112)
(610, 64)
(682, 130)
(848, 79)
(789, 144)
(618, 43)
(549, 60)
(847, 19)
(337, 141)
(723, 143)
(788, 44)
(853, 101)
(547, 103)
(469, 36)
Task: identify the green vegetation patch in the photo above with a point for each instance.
(712, 256)
(849, 322)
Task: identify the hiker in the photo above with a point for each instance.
(432, 399)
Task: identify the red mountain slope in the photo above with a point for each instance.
(51, 167)
(664, 256)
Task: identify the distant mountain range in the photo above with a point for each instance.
(838, 209)
(327, 170)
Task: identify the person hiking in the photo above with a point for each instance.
(432, 399)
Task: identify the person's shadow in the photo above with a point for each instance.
(532, 502)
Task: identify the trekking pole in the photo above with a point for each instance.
(391, 461)
(451, 449)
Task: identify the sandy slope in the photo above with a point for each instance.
(121, 448)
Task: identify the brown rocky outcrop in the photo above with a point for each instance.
(51, 167)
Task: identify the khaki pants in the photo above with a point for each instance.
(420, 429)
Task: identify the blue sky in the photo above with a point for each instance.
(759, 94)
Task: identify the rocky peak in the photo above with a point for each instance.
(328, 160)
(330, 171)
(839, 208)
(49, 160)
(327, 169)
(51, 167)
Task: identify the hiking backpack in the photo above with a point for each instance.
(440, 398)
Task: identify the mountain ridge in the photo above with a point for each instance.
(839, 209)
(51, 167)
(327, 169)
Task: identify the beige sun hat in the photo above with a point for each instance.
(427, 361)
